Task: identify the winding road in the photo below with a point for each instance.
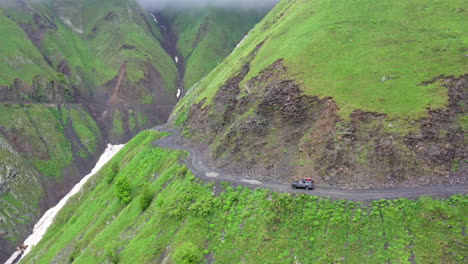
(199, 168)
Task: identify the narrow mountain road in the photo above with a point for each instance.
(199, 167)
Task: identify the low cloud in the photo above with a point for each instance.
(159, 4)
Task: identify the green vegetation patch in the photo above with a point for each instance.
(118, 126)
(17, 207)
(41, 132)
(20, 58)
(94, 38)
(368, 55)
(207, 35)
(189, 221)
(86, 128)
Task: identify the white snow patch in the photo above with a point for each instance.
(176, 59)
(179, 92)
(48, 218)
(155, 19)
(252, 181)
(68, 22)
(242, 41)
(13, 257)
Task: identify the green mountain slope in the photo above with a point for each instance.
(372, 62)
(45, 150)
(77, 75)
(185, 220)
(17, 208)
(50, 87)
(355, 94)
(207, 35)
(106, 54)
(22, 59)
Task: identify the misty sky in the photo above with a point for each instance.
(200, 3)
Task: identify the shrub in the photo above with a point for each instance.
(182, 118)
(182, 171)
(188, 253)
(204, 207)
(114, 171)
(75, 253)
(146, 198)
(122, 188)
(113, 255)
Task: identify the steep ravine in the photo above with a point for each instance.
(170, 46)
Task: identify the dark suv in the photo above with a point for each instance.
(307, 184)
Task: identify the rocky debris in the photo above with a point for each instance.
(375, 157)
(226, 101)
(127, 47)
(111, 16)
(41, 91)
(22, 248)
(121, 97)
(38, 28)
(16, 176)
(7, 175)
(441, 139)
(21, 142)
(279, 106)
(64, 68)
(269, 129)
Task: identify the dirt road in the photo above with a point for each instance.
(198, 166)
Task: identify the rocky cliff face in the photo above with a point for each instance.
(312, 93)
(273, 131)
(46, 149)
(16, 205)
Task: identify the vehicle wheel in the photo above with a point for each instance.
(307, 188)
(294, 186)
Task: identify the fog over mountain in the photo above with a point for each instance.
(202, 3)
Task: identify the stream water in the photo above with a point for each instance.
(48, 218)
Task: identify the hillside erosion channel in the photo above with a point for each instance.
(200, 168)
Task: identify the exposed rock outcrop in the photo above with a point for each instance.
(270, 128)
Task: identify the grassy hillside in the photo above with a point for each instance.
(371, 56)
(44, 151)
(89, 35)
(40, 133)
(100, 53)
(17, 207)
(207, 35)
(356, 94)
(21, 59)
(60, 52)
(155, 211)
(76, 74)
